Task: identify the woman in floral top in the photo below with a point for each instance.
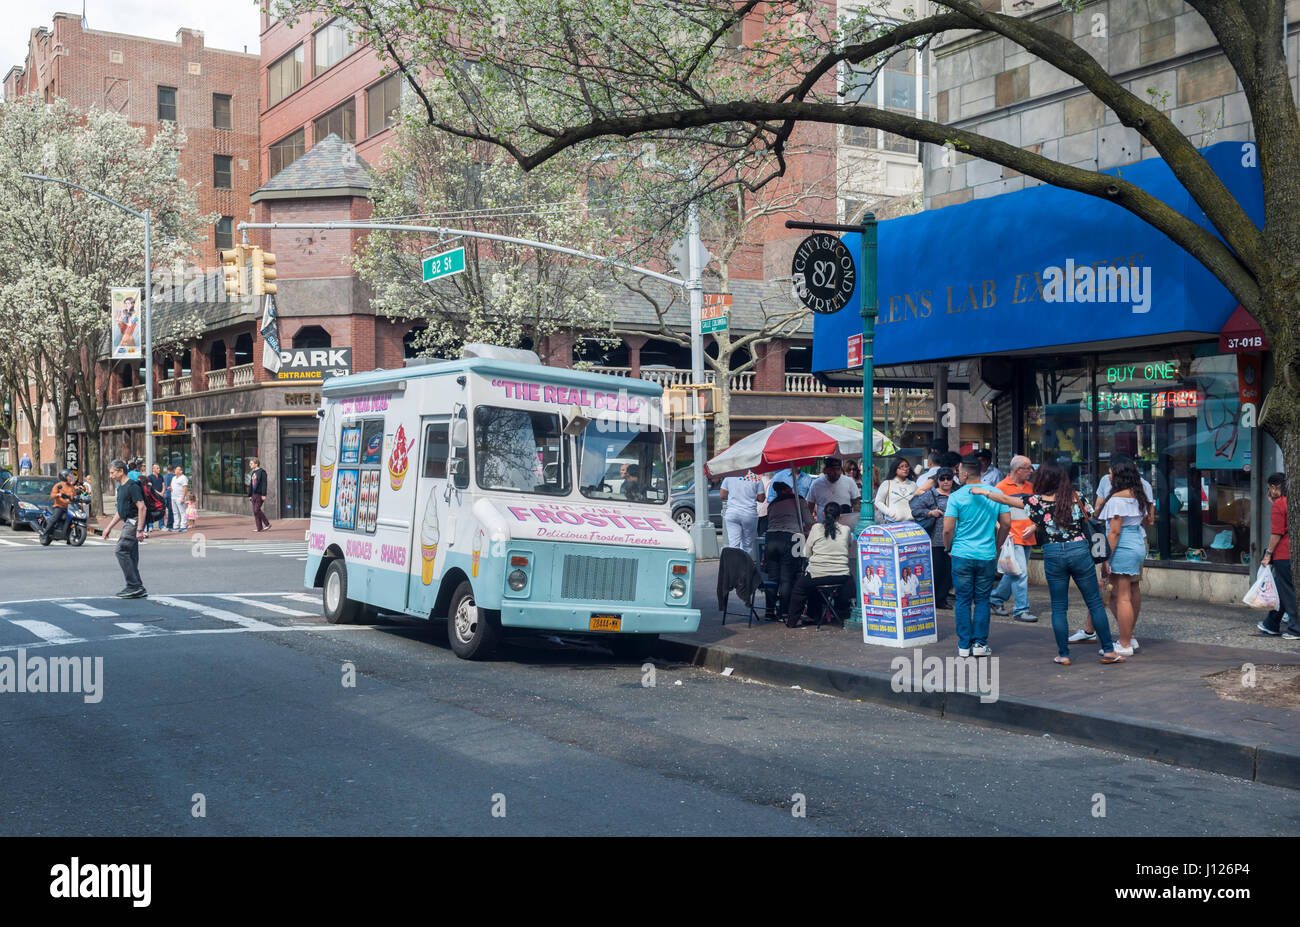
(1061, 516)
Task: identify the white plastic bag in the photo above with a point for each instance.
(1264, 593)
(1008, 562)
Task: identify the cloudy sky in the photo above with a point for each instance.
(230, 24)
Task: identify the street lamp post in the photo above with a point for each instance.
(148, 308)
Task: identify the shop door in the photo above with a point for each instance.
(297, 475)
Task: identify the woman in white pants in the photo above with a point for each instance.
(177, 501)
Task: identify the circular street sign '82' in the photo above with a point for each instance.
(823, 271)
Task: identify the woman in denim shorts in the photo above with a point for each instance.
(1125, 512)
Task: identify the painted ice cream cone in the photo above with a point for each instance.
(429, 537)
(476, 553)
(329, 453)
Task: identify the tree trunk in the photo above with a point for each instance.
(98, 480)
(722, 421)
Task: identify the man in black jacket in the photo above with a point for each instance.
(257, 492)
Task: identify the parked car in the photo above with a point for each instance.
(24, 498)
(683, 498)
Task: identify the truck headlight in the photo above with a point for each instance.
(517, 580)
(677, 588)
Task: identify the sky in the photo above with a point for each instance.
(229, 24)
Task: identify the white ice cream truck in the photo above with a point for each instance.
(499, 493)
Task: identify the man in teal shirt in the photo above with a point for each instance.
(974, 528)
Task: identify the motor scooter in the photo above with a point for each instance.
(73, 528)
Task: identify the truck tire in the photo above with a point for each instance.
(339, 609)
(632, 646)
(472, 632)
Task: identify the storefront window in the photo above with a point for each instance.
(1177, 412)
(173, 451)
(225, 459)
(1058, 416)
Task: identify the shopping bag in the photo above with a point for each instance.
(1008, 564)
(1264, 593)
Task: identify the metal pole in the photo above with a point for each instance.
(703, 534)
(148, 347)
(867, 288)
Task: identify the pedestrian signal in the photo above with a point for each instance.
(168, 423)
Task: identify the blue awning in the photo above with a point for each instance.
(975, 278)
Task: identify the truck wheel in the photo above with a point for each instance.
(632, 646)
(339, 609)
(473, 632)
(77, 534)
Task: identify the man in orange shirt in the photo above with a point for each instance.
(1017, 481)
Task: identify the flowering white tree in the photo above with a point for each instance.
(61, 251)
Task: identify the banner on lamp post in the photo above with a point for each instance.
(126, 328)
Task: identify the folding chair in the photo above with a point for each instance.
(827, 592)
(735, 569)
(769, 584)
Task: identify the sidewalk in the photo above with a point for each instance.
(222, 526)
(1160, 704)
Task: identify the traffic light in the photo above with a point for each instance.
(232, 269)
(168, 423)
(263, 272)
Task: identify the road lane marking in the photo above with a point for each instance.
(267, 606)
(46, 631)
(303, 597)
(253, 624)
(89, 611)
(141, 630)
(8, 543)
(37, 645)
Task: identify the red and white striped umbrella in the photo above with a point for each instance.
(790, 444)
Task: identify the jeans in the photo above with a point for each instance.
(128, 555)
(1015, 586)
(259, 517)
(942, 574)
(741, 532)
(1061, 562)
(56, 519)
(1286, 599)
(974, 581)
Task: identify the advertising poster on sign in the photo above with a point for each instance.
(345, 501)
(351, 445)
(127, 329)
(368, 506)
(897, 585)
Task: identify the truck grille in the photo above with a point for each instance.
(601, 579)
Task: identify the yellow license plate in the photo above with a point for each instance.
(605, 623)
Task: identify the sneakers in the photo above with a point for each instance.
(1082, 635)
(1268, 631)
(136, 593)
(124, 592)
(1026, 617)
(963, 651)
(999, 608)
(981, 650)
(1122, 651)
(1289, 635)
(1133, 642)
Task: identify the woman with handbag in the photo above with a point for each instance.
(1061, 517)
(927, 511)
(1124, 514)
(894, 497)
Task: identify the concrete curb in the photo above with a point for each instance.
(1262, 762)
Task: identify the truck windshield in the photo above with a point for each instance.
(519, 451)
(623, 462)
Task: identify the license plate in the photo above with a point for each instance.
(605, 623)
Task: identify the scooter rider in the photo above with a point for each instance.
(61, 496)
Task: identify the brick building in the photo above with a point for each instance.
(210, 93)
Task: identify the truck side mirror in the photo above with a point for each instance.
(459, 432)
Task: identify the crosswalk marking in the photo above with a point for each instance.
(136, 627)
(8, 543)
(270, 607)
(303, 597)
(252, 624)
(88, 610)
(46, 631)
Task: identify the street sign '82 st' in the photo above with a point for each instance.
(823, 272)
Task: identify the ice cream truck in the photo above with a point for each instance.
(499, 493)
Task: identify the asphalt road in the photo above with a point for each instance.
(243, 701)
